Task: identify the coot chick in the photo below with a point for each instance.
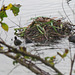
(72, 38)
(17, 42)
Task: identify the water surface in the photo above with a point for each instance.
(31, 9)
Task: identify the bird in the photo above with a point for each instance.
(17, 42)
(72, 38)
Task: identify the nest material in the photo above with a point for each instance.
(46, 29)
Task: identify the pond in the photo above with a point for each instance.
(31, 9)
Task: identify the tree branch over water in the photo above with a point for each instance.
(24, 61)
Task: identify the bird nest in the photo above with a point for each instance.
(44, 29)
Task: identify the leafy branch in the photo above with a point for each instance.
(23, 60)
(14, 8)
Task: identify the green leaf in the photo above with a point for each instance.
(50, 60)
(27, 57)
(64, 54)
(4, 26)
(15, 62)
(53, 57)
(59, 74)
(46, 58)
(2, 15)
(15, 10)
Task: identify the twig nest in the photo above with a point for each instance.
(43, 29)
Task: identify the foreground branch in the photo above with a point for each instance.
(72, 63)
(14, 50)
(28, 65)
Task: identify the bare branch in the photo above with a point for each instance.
(12, 70)
(72, 63)
(65, 12)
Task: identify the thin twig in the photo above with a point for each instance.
(72, 63)
(70, 52)
(14, 23)
(12, 69)
(72, 11)
(65, 12)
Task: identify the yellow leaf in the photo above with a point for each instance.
(9, 6)
(22, 49)
(1, 47)
(51, 63)
(64, 55)
(4, 26)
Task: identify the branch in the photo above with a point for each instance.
(14, 50)
(12, 70)
(65, 12)
(28, 65)
(72, 63)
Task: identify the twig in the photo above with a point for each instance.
(62, 18)
(72, 63)
(70, 52)
(65, 12)
(72, 11)
(67, 16)
(12, 70)
(49, 49)
(14, 50)
(14, 23)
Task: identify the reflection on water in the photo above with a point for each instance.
(30, 9)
